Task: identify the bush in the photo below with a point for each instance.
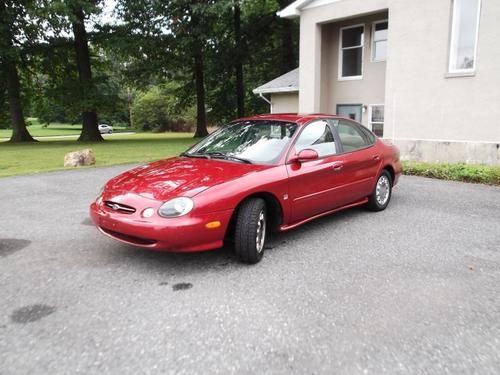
(158, 110)
(456, 172)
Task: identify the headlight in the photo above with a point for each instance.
(176, 207)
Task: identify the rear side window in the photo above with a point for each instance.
(317, 136)
(352, 137)
(368, 135)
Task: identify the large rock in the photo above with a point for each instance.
(79, 158)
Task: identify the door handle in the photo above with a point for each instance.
(337, 165)
(376, 157)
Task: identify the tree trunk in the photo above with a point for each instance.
(10, 79)
(240, 89)
(90, 130)
(19, 131)
(201, 123)
(288, 53)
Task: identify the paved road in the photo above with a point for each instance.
(414, 289)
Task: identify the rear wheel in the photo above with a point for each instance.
(250, 231)
(381, 195)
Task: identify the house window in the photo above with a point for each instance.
(351, 52)
(464, 33)
(379, 41)
(377, 119)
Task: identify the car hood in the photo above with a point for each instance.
(180, 176)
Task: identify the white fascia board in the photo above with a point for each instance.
(275, 90)
(294, 9)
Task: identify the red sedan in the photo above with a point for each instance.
(254, 175)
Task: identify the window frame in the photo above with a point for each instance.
(341, 53)
(370, 112)
(338, 145)
(372, 54)
(453, 37)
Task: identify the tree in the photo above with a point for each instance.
(90, 130)
(182, 29)
(12, 21)
(288, 45)
(65, 16)
(238, 61)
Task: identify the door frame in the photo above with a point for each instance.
(360, 105)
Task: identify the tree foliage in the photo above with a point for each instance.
(169, 61)
(158, 110)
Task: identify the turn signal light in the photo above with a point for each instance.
(212, 225)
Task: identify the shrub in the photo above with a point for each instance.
(158, 110)
(456, 172)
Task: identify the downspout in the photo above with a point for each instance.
(265, 99)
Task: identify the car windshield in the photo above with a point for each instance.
(255, 141)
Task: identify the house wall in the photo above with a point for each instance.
(368, 90)
(312, 21)
(433, 116)
(285, 103)
(430, 115)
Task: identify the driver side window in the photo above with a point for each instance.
(317, 136)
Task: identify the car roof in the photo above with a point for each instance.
(298, 118)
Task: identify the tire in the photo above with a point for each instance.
(250, 231)
(382, 192)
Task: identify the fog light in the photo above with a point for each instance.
(148, 212)
(212, 225)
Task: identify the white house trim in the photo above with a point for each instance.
(340, 63)
(453, 40)
(372, 41)
(275, 90)
(293, 10)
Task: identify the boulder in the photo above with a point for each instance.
(79, 158)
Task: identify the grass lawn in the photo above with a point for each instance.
(37, 130)
(48, 155)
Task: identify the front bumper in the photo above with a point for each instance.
(183, 234)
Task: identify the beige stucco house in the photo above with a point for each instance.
(424, 74)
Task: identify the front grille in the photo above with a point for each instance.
(123, 208)
(128, 238)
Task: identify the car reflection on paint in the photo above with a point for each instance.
(255, 175)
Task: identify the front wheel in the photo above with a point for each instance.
(381, 195)
(250, 232)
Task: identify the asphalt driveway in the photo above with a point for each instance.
(413, 289)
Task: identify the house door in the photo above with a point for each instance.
(352, 111)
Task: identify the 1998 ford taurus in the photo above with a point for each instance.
(254, 175)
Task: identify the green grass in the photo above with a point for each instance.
(48, 155)
(483, 174)
(37, 130)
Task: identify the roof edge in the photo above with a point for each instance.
(295, 8)
(275, 90)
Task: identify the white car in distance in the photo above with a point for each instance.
(105, 129)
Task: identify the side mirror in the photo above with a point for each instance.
(304, 155)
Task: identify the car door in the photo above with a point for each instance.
(360, 158)
(312, 184)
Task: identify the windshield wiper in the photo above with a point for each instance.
(221, 155)
(200, 156)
